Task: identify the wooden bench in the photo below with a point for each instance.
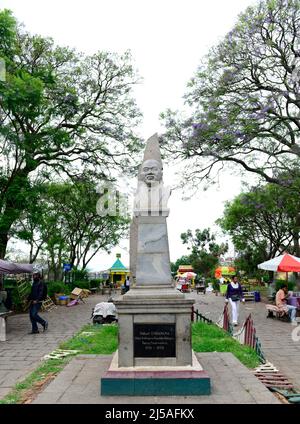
(3, 317)
(200, 288)
(279, 314)
(249, 295)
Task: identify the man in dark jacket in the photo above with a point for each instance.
(36, 298)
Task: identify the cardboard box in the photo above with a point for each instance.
(86, 292)
(77, 293)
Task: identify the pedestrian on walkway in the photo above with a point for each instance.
(36, 299)
(234, 295)
(127, 284)
(281, 303)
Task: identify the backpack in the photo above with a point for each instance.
(45, 291)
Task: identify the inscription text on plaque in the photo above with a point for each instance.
(154, 340)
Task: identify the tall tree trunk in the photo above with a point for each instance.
(3, 244)
(12, 202)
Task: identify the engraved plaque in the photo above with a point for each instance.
(154, 340)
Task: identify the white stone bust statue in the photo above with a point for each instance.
(151, 196)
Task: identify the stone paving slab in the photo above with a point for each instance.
(79, 383)
(21, 353)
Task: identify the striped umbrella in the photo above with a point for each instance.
(282, 263)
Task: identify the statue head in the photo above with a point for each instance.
(151, 172)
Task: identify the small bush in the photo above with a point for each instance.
(96, 282)
(57, 287)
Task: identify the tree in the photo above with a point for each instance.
(262, 223)
(184, 260)
(60, 112)
(245, 100)
(63, 223)
(205, 252)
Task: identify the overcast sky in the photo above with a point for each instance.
(167, 38)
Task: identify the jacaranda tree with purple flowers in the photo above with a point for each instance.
(245, 100)
(61, 113)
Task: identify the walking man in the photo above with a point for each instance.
(36, 298)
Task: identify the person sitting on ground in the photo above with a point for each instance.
(281, 303)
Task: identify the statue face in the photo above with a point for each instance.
(151, 171)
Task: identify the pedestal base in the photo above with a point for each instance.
(155, 380)
(154, 328)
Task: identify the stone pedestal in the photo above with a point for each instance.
(154, 328)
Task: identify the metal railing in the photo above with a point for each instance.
(246, 335)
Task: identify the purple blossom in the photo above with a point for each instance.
(200, 126)
(238, 133)
(259, 206)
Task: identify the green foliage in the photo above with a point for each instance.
(184, 260)
(57, 287)
(79, 274)
(216, 284)
(104, 340)
(17, 302)
(60, 112)
(68, 228)
(210, 338)
(96, 282)
(290, 284)
(263, 223)
(205, 252)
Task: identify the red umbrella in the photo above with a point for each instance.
(283, 263)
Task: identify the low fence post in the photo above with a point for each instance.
(225, 318)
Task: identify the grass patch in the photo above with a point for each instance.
(100, 340)
(33, 384)
(210, 338)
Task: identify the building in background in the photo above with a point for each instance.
(118, 272)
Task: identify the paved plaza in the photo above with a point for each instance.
(231, 383)
(21, 353)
